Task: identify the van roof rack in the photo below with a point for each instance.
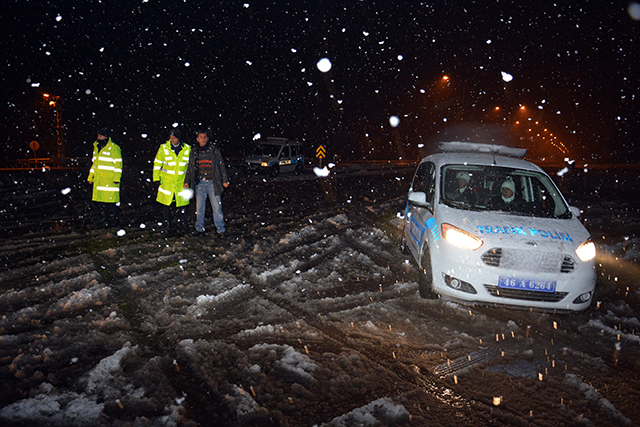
(280, 140)
(474, 147)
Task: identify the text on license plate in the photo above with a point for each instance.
(527, 284)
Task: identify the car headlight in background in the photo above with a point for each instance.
(460, 238)
(586, 251)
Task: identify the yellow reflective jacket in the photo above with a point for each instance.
(171, 170)
(105, 173)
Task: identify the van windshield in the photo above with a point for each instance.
(494, 188)
(270, 150)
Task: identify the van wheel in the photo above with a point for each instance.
(425, 281)
(299, 169)
(275, 171)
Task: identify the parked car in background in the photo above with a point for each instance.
(486, 226)
(275, 156)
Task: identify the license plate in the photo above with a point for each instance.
(527, 284)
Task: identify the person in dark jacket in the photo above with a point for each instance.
(207, 175)
(507, 200)
(463, 193)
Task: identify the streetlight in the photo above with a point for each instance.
(53, 101)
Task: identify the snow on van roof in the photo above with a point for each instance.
(474, 147)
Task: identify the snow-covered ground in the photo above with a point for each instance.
(306, 315)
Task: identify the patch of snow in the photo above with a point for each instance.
(383, 411)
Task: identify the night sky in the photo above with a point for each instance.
(250, 67)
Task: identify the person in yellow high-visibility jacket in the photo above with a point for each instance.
(170, 168)
(105, 174)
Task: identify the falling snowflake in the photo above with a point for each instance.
(324, 65)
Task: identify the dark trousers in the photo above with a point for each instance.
(181, 216)
(109, 214)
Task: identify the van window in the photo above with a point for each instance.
(424, 180)
(270, 150)
(517, 191)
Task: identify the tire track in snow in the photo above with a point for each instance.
(408, 377)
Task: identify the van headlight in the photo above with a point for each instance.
(460, 238)
(586, 251)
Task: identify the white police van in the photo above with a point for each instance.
(486, 226)
(275, 156)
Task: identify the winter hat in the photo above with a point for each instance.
(463, 175)
(104, 132)
(511, 186)
(176, 133)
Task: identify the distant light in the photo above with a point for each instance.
(394, 121)
(324, 65)
(489, 41)
(66, 191)
(400, 57)
(445, 78)
(35, 84)
(144, 135)
(143, 226)
(186, 64)
(175, 124)
(58, 18)
(506, 77)
(88, 91)
(257, 136)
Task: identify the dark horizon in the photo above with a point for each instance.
(250, 68)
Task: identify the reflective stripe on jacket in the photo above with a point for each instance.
(105, 173)
(171, 170)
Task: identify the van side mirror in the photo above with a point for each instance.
(575, 211)
(419, 198)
